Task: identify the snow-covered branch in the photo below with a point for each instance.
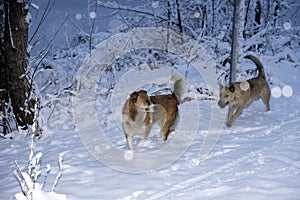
(117, 6)
(60, 165)
(31, 189)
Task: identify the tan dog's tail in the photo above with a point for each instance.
(258, 64)
(179, 86)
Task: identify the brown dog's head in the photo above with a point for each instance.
(141, 101)
(226, 95)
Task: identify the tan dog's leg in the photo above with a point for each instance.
(129, 141)
(231, 116)
(266, 102)
(266, 97)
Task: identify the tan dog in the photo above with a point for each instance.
(241, 94)
(141, 111)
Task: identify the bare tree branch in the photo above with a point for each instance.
(116, 6)
(44, 16)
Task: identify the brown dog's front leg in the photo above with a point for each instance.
(146, 132)
(129, 141)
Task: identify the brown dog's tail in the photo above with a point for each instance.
(179, 86)
(258, 64)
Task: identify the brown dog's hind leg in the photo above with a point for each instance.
(168, 127)
(165, 133)
(164, 128)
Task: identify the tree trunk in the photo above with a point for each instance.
(237, 39)
(179, 16)
(14, 59)
(257, 17)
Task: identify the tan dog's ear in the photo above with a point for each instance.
(244, 85)
(231, 87)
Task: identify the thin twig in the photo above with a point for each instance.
(44, 16)
(92, 29)
(60, 165)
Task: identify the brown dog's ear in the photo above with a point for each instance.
(143, 91)
(231, 87)
(132, 109)
(133, 96)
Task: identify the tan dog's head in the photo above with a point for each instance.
(226, 95)
(230, 93)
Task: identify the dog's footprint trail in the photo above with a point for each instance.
(144, 144)
(151, 143)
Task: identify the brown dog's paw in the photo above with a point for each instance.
(229, 124)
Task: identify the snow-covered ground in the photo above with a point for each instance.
(257, 158)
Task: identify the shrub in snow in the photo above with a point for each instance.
(31, 189)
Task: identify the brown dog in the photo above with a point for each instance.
(141, 111)
(241, 94)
